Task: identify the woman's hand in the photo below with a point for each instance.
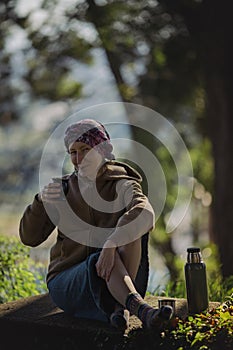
(50, 193)
(106, 261)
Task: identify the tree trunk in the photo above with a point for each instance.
(95, 14)
(218, 68)
(211, 27)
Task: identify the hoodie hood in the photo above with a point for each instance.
(114, 170)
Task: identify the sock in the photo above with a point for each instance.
(149, 316)
(133, 303)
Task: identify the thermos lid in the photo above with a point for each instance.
(193, 250)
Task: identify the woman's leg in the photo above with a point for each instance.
(130, 255)
(120, 317)
(124, 271)
(122, 288)
(120, 283)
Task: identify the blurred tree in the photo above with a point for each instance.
(37, 61)
(9, 90)
(37, 56)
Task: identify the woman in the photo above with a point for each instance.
(104, 280)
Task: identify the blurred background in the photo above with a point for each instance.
(60, 56)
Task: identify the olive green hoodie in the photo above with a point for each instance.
(113, 206)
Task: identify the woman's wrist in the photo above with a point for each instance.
(109, 244)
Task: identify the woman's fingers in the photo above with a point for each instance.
(51, 191)
(105, 263)
(105, 274)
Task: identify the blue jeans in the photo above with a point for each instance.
(81, 293)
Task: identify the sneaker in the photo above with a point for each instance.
(159, 317)
(120, 319)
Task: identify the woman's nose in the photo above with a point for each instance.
(79, 157)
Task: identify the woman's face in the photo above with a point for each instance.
(85, 159)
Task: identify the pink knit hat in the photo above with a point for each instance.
(92, 133)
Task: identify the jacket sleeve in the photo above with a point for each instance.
(138, 218)
(35, 224)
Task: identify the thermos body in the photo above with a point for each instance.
(196, 282)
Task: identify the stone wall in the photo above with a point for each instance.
(35, 323)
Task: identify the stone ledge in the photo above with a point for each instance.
(36, 323)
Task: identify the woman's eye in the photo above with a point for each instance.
(82, 151)
(73, 153)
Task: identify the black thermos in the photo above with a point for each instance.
(196, 282)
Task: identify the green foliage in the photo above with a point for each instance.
(20, 277)
(159, 57)
(203, 171)
(68, 88)
(203, 165)
(207, 330)
(212, 330)
(218, 288)
(173, 289)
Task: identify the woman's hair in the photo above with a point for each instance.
(92, 133)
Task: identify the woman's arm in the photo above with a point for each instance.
(138, 219)
(134, 223)
(35, 224)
